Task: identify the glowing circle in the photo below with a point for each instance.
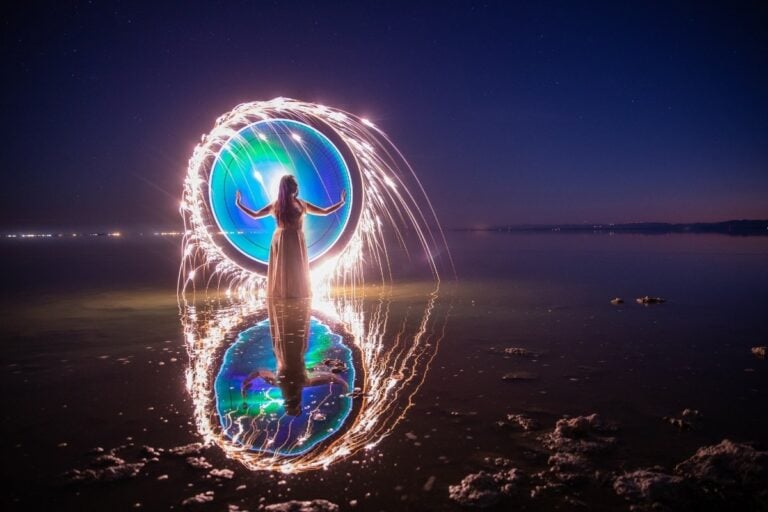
(253, 160)
(256, 419)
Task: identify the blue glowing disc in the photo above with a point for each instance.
(253, 161)
(252, 409)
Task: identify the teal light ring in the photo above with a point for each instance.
(253, 161)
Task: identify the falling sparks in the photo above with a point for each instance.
(218, 298)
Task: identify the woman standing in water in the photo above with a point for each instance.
(288, 266)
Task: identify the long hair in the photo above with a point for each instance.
(285, 208)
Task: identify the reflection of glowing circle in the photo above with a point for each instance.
(259, 421)
(253, 161)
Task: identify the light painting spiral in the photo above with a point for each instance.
(388, 233)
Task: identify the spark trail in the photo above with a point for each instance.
(354, 287)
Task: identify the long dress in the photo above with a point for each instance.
(288, 266)
(289, 327)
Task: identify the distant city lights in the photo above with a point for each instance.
(99, 234)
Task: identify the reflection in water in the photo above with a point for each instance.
(284, 384)
(228, 346)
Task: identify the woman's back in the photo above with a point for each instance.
(291, 217)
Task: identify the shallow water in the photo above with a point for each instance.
(93, 355)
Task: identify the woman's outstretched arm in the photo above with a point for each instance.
(316, 210)
(326, 378)
(252, 213)
(268, 376)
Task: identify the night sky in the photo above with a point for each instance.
(510, 113)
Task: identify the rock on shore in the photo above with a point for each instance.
(303, 506)
(484, 489)
(726, 475)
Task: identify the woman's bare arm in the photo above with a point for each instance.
(326, 378)
(267, 375)
(255, 214)
(316, 210)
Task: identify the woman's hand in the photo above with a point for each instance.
(343, 196)
(238, 198)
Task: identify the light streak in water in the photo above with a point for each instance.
(353, 288)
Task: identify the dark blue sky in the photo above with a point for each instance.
(510, 113)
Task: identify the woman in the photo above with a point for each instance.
(288, 266)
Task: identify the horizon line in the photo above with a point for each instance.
(117, 232)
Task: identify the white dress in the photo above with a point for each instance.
(288, 265)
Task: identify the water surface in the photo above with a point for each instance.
(93, 356)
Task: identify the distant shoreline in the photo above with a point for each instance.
(731, 227)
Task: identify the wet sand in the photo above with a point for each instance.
(93, 357)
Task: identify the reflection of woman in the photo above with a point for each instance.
(288, 267)
(289, 327)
